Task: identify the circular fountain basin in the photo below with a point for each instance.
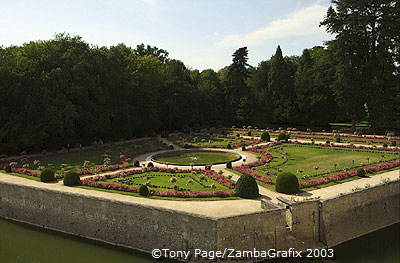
(195, 157)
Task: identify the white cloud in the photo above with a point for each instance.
(302, 22)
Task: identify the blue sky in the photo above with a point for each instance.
(201, 33)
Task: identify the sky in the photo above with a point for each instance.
(201, 33)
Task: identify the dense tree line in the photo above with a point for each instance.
(65, 91)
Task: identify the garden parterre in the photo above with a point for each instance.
(166, 182)
(317, 164)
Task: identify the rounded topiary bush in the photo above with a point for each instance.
(283, 136)
(287, 183)
(144, 190)
(265, 136)
(337, 139)
(171, 147)
(229, 146)
(136, 163)
(229, 165)
(361, 172)
(8, 168)
(47, 175)
(72, 179)
(150, 164)
(243, 148)
(246, 187)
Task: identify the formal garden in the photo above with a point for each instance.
(211, 140)
(164, 182)
(93, 159)
(317, 164)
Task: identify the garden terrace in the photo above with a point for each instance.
(164, 182)
(324, 136)
(195, 157)
(212, 141)
(86, 160)
(318, 164)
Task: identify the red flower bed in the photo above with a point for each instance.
(234, 145)
(94, 182)
(349, 146)
(341, 176)
(254, 174)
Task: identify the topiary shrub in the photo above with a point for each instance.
(361, 173)
(287, 183)
(47, 175)
(337, 139)
(385, 145)
(136, 163)
(8, 168)
(249, 133)
(150, 164)
(243, 148)
(246, 187)
(265, 136)
(283, 136)
(229, 146)
(229, 165)
(171, 147)
(144, 191)
(72, 179)
(393, 143)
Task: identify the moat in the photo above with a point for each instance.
(24, 244)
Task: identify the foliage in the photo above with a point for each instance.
(47, 175)
(229, 165)
(361, 172)
(144, 190)
(246, 187)
(265, 136)
(287, 183)
(71, 179)
(283, 136)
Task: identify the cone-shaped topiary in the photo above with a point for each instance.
(246, 187)
(287, 183)
(144, 190)
(136, 163)
(150, 164)
(72, 179)
(47, 175)
(265, 136)
(229, 165)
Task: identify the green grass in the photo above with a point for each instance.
(205, 140)
(197, 158)
(314, 160)
(163, 180)
(74, 160)
(348, 124)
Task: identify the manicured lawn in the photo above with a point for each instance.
(165, 181)
(94, 157)
(197, 158)
(314, 160)
(210, 141)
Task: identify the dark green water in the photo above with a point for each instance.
(24, 244)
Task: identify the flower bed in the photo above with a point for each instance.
(341, 176)
(350, 146)
(30, 173)
(247, 142)
(95, 182)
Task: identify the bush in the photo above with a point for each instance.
(207, 167)
(171, 147)
(150, 164)
(47, 175)
(229, 165)
(283, 136)
(287, 183)
(337, 139)
(393, 143)
(249, 133)
(265, 136)
(361, 172)
(144, 191)
(136, 163)
(7, 168)
(72, 179)
(385, 145)
(229, 146)
(246, 187)
(243, 148)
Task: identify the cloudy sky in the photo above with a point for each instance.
(201, 33)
